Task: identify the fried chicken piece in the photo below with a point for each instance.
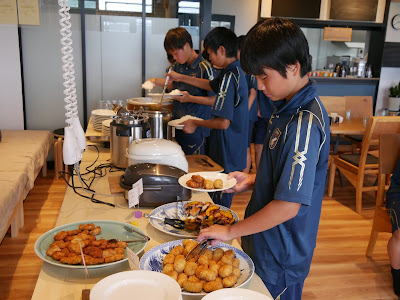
(71, 260)
(60, 244)
(116, 245)
(114, 258)
(95, 231)
(73, 232)
(85, 236)
(89, 226)
(191, 183)
(89, 260)
(76, 245)
(208, 184)
(116, 251)
(53, 249)
(197, 178)
(95, 252)
(102, 244)
(60, 236)
(218, 184)
(57, 255)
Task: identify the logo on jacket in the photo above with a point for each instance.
(274, 138)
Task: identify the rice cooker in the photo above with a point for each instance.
(158, 151)
(123, 130)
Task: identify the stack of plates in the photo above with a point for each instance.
(105, 127)
(99, 115)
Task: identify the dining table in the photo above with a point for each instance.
(58, 282)
(353, 126)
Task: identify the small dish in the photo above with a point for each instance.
(227, 183)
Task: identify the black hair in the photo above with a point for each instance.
(241, 42)
(221, 36)
(205, 55)
(170, 58)
(176, 38)
(275, 44)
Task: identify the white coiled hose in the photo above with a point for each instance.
(74, 137)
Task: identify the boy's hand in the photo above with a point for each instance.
(184, 98)
(244, 181)
(218, 233)
(174, 76)
(189, 126)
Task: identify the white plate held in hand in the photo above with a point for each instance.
(227, 183)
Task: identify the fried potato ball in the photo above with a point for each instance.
(182, 277)
(203, 260)
(229, 281)
(169, 259)
(213, 285)
(172, 274)
(193, 287)
(208, 275)
(225, 271)
(213, 266)
(217, 254)
(190, 268)
(189, 247)
(179, 263)
(177, 250)
(236, 272)
(229, 253)
(60, 236)
(218, 184)
(208, 184)
(167, 268)
(208, 253)
(185, 242)
(200, 269)
(236, 262)
(226, 260)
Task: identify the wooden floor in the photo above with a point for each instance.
(340, 269)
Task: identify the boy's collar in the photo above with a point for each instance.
(299, 98)
(232, 65)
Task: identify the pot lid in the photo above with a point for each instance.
(153, 147)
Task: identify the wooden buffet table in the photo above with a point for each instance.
(56, 282)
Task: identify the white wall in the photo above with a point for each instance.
(11, 112)
(245, 12)
(389, 76)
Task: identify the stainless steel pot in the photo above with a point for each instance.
(124, 129)
(158, 121)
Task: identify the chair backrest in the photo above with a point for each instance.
(375, 127)
(359, 106)
(389, 152)
(334, 104)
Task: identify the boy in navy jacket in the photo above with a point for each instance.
(281, 220)
(229, 112)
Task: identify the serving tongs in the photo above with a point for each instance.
(165, 84)
(176, 223)
(198, 250)
(145, 237)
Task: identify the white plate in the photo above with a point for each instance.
(236, 294)
(136, 285)
(107, 123)
(176, 210)
(109, 230)
(166, 95)
(103, 112)
(152, 260)
(227, 183)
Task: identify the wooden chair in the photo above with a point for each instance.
(355, 166)
(359, 106)
(389, 154)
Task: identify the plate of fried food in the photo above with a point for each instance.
(207, 181)
(196, 215)
(220, 266)
(103, 244)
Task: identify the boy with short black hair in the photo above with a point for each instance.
(178, 44)
(229, 122)
(281, 220)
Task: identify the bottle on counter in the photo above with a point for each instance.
(369, 72)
